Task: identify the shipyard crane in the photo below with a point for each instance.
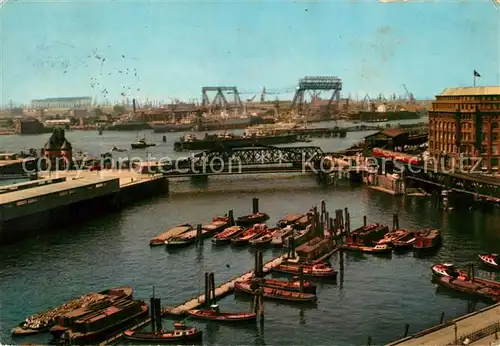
(411, 99)
(251, 98)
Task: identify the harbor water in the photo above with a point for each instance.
(374, 296)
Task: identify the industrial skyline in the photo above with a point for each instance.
(170, 50)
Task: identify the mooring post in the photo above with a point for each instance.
(212, 285)
(348, 222)
(152, 312)
(292, 247)
(230, 215)
(261, 264)
(255, 205)
(364, 221)
(301, 278)
(407, 328)
(261, 304)
(157, 312)
(456, 334)
(256, 269)
(441, 319)
(207, 290)
(369, 341)
(198, 234)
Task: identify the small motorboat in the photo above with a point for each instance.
(225, 236)
(265, 238)
(141, 144)
(249, 234)
(291, 285)
(118, 149)
(320, 270)
(180, 334)
(171, 233)
(218, 224)
(275, 293)
(491, 260)
(252, 219)
(446, 269)
(427, 239)
(376, 250)
(214, 314)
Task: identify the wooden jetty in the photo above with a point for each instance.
(220, 291)
(469, 329)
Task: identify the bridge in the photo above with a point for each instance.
(256, 160)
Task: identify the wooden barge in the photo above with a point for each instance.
(276, 293)
(171, 233)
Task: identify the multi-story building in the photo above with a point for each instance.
(62, 102)
(465, 122)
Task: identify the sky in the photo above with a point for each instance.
(162, 50)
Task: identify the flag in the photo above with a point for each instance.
(476, 74)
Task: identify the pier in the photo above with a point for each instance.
(469, 329)
(221, 290)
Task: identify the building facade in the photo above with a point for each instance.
(62, 102)
(465, 122)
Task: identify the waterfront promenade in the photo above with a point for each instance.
(475, 328)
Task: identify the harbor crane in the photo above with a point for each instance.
(411, 99)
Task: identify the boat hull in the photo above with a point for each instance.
(277, 294)
(308, 287)
(140, 146)
(154, 338)
(222, 317)
(489, 262)
(295, 271)
(249, 221)
(210, 144)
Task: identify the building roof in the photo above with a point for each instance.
(391, 133)
(471, 91)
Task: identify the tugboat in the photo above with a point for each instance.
(181, 334)
(249, 234)
(214, 314)
(491, 260)
(291, 285)
(225, 236)
(141, 144)
(391, 237)
(446, 269)
(118, 149)
(382, 249)
(252, 219)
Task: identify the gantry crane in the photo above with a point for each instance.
(411, 99)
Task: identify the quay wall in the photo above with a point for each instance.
(67, 205)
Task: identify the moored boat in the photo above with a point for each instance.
(43, 322)
(289, 220)
(427, 239)
(275, 293)
(252, 219)
(471, 286)
(225, 236)
(218, 224)
(320, 270)
(300, 237)
(187, 238)
(100, 324)
(377, 249)
(249, 234)
(369, 233)
(405, 242)
(181, 334)
(265, 238)
(215, 314)
(446, 269)
(281, 235)
(291, 285)
(173, 232)
(491, 260)
(391, 237)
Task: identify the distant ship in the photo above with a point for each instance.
(128, 125)
(381, 113)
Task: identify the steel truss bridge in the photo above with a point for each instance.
(250, 160)
(476, 184)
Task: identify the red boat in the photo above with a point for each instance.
(218, 224)
(214, 314)
(320, 270)
(391, 237)
(447, 269)
(180, 334)
(477, 287)
(225, 236)
(376, 250)
(491, 260)
(368, 233)
(249, 234)
(427, 239)
(405, 242)
(275, 293)
(307, 286)
(266, 237)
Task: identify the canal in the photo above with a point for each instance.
(374, 297)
